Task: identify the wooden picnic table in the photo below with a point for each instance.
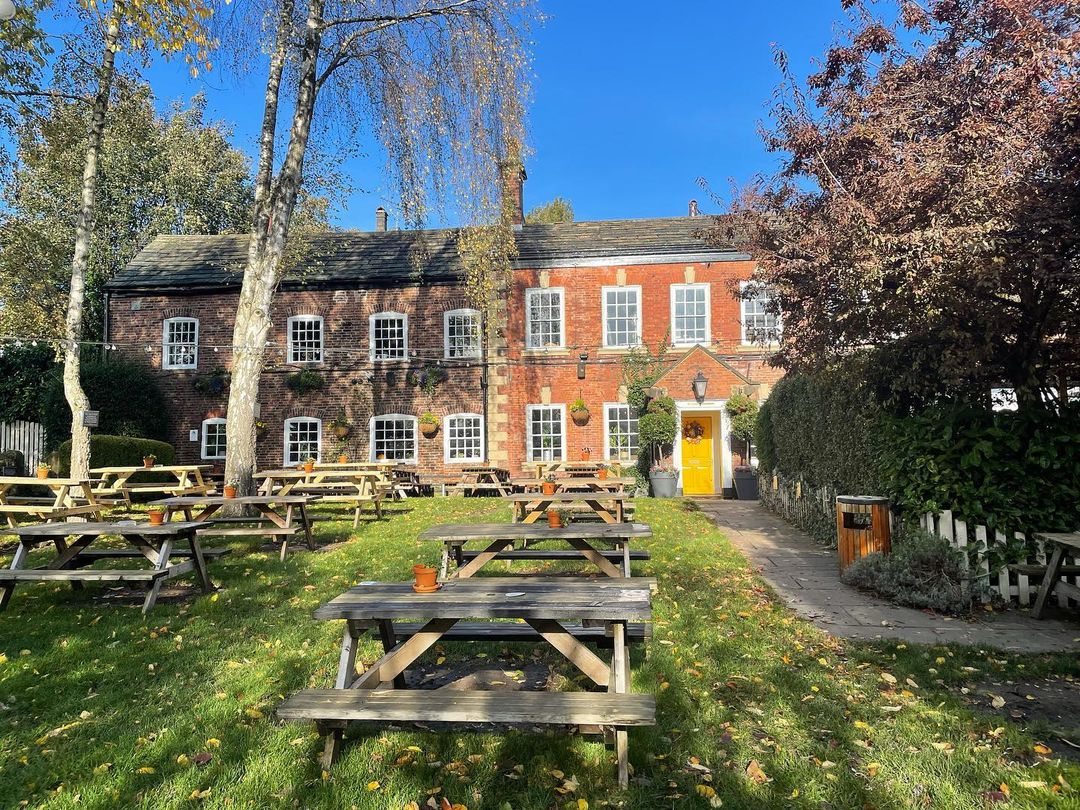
(353, 486)
(286, 515)
(475, 479)
(1062, 544)
(501, 538)
(546, 604)
(575, 483)
(69, 497)
(530, 507)
(155, 543)
(117, 480)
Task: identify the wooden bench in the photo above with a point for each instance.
(555, 554)
(92, 555)
(1039, 571)
(333, 709)
(94, 575)
(636, 632)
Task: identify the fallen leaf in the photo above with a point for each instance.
(755, 774)
(1042, 749)
(997, 701)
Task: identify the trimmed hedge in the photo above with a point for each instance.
(24, 371)
(117, 451)
(126, 394)
(1008, 470)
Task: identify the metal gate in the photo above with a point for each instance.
(26, 437)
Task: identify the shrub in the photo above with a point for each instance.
(126, 394)
(923, 572)
(24, 372)
(117, 451)
(305, 381)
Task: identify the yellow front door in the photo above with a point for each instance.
(697, 455)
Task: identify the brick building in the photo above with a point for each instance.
(383, 321)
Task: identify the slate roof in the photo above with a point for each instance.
(388, 258)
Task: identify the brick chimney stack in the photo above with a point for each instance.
(514, 177)
(380, 219)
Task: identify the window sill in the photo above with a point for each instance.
(617, 350)
(555, 351)
(749, 348)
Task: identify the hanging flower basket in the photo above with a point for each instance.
(580, 416)
(429, 429)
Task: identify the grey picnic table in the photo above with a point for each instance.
(280, 516)
(155, 543)
(1062, 544)
(546, 604)
(530, 507)
(501, 538)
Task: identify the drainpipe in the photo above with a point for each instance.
(105, 329)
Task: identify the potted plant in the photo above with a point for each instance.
(309, 464)
(342, 458)
(549, 484)
(260, 429)
(230, 488)
(157, 516)
(601, 472)
(340, 425)
(425, 579)
(579, 412)
(743, 413)
(429, 424)
(554, 519)
(586, 453)
(148, 460)
(662, 478)
(43, 470)
(380, 456)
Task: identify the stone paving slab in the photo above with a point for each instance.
(805, 576)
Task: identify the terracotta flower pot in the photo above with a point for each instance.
(343, 459)
(157, 518)
(230, 492)
(602, 473)
(309, 466)
(554, 519)
(549, 487)
(425, 577)
(148, 462)
(585, 455)
(42, 473)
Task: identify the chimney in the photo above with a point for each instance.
(514, 177)
(380, 219)
(693, 212)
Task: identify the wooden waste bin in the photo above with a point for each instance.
(862, 527)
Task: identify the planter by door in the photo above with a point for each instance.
(746, 483)
(663, 484)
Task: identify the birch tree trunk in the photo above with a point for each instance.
(84, 226)
(274, 204)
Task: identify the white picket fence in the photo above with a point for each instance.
(26, 437)
(814, 510)
(981, 546)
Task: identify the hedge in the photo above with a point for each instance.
(24, 371)
(117, 451)
(1008, 470)
(125, 393)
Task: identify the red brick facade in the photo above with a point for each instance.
(516, 377)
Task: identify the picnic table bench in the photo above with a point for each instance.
(575, 484)
(530, 507)
(69, 497)
(1051, 573)
(117, 480)
(501, 537)
(546, 604)
(280, 516)
(333, 485)
(154, 543)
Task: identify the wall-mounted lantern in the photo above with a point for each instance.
(581, 359)
(699, 383)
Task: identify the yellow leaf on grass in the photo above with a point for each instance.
(440, 660)
(183, 760)
(756, 774)
(410, 806)
(198, 794)
(1040, 748)
(254, 714)
(582, 804)
(213, 742)
(1035, 783)
(372, 785)
(146, 769)
(102, 768)
(873, 768)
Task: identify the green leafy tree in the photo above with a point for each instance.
(157, 175)
(551, 213)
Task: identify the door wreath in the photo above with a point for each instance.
(693, 431)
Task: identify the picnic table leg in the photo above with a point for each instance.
(347, 662)
(63, 556)
(389, 641)
(16, 563)
(619, 684)
(1053, 571)
(482, 559)
(626, 556)
(595, 557)
(395, 662)
(575, 652)
(307, 528)
(445, 567)
(163, 553)
(199, 561)
(334, 733)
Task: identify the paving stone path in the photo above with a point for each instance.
(804, 574)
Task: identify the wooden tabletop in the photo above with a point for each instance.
(221, 500)
(531, 531)
(1070, 539)
(531, 497)
(33, 480)
(155, 468)
(81, 529)
(574, 481)
(554, 598)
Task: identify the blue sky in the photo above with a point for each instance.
(633, 101)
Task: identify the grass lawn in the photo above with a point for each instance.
(100, 707)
